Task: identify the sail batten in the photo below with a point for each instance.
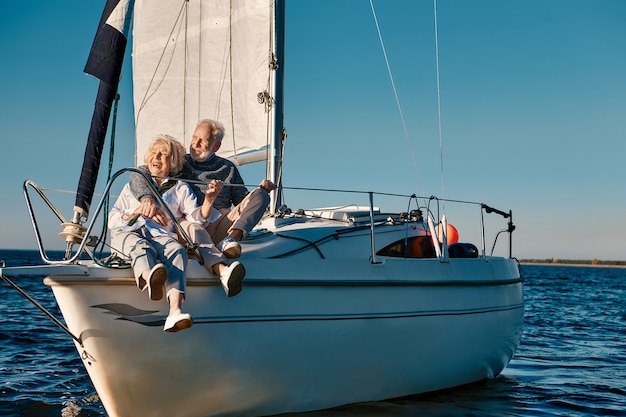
(221, 80)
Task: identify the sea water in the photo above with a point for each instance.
(571, 361)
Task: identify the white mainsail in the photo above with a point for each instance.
(197, 59)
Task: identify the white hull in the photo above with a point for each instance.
(306, 333)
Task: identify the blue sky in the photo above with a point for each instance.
(533, 99)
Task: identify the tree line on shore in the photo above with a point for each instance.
(555, 261)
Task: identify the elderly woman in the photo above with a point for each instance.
(150, 240)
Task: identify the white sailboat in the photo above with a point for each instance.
(340, 305)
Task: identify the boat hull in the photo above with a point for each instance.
(301, 336)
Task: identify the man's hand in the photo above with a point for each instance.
(267, 185)
(213, 190)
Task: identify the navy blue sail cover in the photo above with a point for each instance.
(105, 63)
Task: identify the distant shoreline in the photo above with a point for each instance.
(595, 263)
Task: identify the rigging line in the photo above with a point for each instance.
(224, 69)
(231, 76)
(73, 192)
(395, 92)
(269, 98)
(186, 67)
(42, 308)
(104, 231)
(148, 94)
(443, 194)
(336, 190)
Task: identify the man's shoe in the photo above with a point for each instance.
(177, 322)
(231, 278)
(230, 248)
(156, 281)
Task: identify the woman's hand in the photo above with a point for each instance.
(160, 217)
(151, 210)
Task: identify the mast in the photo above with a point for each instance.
(278, 133)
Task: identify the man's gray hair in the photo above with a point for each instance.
(216, 128)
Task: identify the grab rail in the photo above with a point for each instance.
(190, 244)
(484, 208)
(86, 234)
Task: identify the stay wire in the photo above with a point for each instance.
(441, 169)
(104, 232)
(395, 93)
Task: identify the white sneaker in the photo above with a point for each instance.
(177, 322)
(229, 247)
(156, 281)
(231, 278)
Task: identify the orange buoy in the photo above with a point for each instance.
(453, 234)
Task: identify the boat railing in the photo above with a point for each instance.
(83, 235)
(430, 205)
(510, 226)
(432, 213)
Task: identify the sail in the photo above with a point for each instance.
(104, 62)
(197, 59)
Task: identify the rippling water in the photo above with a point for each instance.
(571, 362)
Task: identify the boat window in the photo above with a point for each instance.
(416, 247)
